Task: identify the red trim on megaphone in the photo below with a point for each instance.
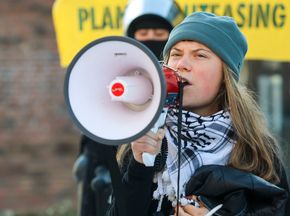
(171, 79)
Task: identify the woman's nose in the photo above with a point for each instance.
(183, 65)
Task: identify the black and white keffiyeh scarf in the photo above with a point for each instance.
(204, 141)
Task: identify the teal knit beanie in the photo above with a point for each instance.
(219, 33)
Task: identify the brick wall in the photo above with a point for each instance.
(38, 142)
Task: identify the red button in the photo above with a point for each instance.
(117, 89)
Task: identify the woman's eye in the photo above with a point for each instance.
(200, 55)
(174, 54)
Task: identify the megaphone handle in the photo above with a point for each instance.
(149, 159)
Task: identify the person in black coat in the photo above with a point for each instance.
(230, 162)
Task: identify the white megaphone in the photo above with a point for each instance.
(115, 91)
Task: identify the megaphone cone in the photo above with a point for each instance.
(89, 86)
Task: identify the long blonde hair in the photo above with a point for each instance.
(256, 150)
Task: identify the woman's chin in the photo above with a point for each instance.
(186, 107)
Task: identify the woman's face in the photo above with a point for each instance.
(202, 69)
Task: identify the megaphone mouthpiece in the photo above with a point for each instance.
(134, 89)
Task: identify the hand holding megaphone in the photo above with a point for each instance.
(149, 144)
(148, 158)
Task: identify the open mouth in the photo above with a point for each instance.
(185, 82)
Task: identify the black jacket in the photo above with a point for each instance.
(239, 192)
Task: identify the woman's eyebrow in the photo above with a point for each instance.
(176, 49)
(201, 49)
(194, 50)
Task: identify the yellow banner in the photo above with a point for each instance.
(265, 23)
(78, 22)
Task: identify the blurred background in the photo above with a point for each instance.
(38, 141)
